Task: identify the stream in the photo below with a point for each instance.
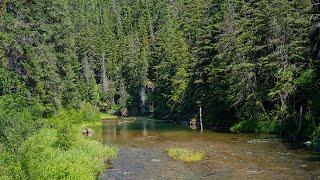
(143, 143)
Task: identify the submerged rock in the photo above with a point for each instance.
(253, 141)
(118, 122)
(155, 160)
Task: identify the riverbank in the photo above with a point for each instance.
(59, 150)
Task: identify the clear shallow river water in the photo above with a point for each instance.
(142, 146)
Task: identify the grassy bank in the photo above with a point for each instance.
(54, 148)
(107, 116)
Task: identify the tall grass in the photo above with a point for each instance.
(58, 150)
(43, 158)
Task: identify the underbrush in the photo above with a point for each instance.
(185, 154)
(315, 141)
(107, 116)
(54, 149)
(43, 157)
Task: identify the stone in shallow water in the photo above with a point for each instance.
(155, 160)
(207, 174)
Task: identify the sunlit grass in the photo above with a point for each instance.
(185, 155)
(44, 159)
(107, 116)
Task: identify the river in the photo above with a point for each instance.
(142, 146)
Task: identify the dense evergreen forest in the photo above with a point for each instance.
(251, 65)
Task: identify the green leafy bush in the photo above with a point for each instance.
(19, 119)
(244, 126)
(10, 166)
(315, 142)
(57, 150)
(42, 159)
(262, 124)
(89, 113)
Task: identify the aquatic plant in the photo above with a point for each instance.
(185, 155)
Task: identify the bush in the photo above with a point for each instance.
(19, 119)
(244, 126)
(10, 166)
(89, 113)
(57, 150)
(42, 159)
(315, 142)
(185, 155)
(262, 124)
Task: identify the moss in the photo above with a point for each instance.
(185, 154)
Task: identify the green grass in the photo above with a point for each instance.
(185, 155)
(44, 159)
(58, 150)
(107, 116)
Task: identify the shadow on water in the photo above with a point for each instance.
(143, 142)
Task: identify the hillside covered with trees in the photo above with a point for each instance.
(252, 65)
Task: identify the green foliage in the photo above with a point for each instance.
(315, 141)
(251, 64)
(185, 154)
(19, 118)
(10, 166)
(65, 120)
(58, 152)
(306, 79)
(42, 159)
(107, 116)
(262, 124)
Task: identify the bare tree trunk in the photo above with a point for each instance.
(104, 79)
(116, 10)
(300, 123)
(143, 98)
(152, 37)
(86, 69)
(123, 95)
(201, 125)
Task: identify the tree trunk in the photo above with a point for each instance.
(104, 79)
(201, 125)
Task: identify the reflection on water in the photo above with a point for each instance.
(229, 156)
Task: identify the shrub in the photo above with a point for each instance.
(107, 116)
(42, 159)
(10, 166)
(89, 113)
(58, 150)
(185, 154)
(19, 119)
(65, 120)
(315, 142)
(261, 124)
